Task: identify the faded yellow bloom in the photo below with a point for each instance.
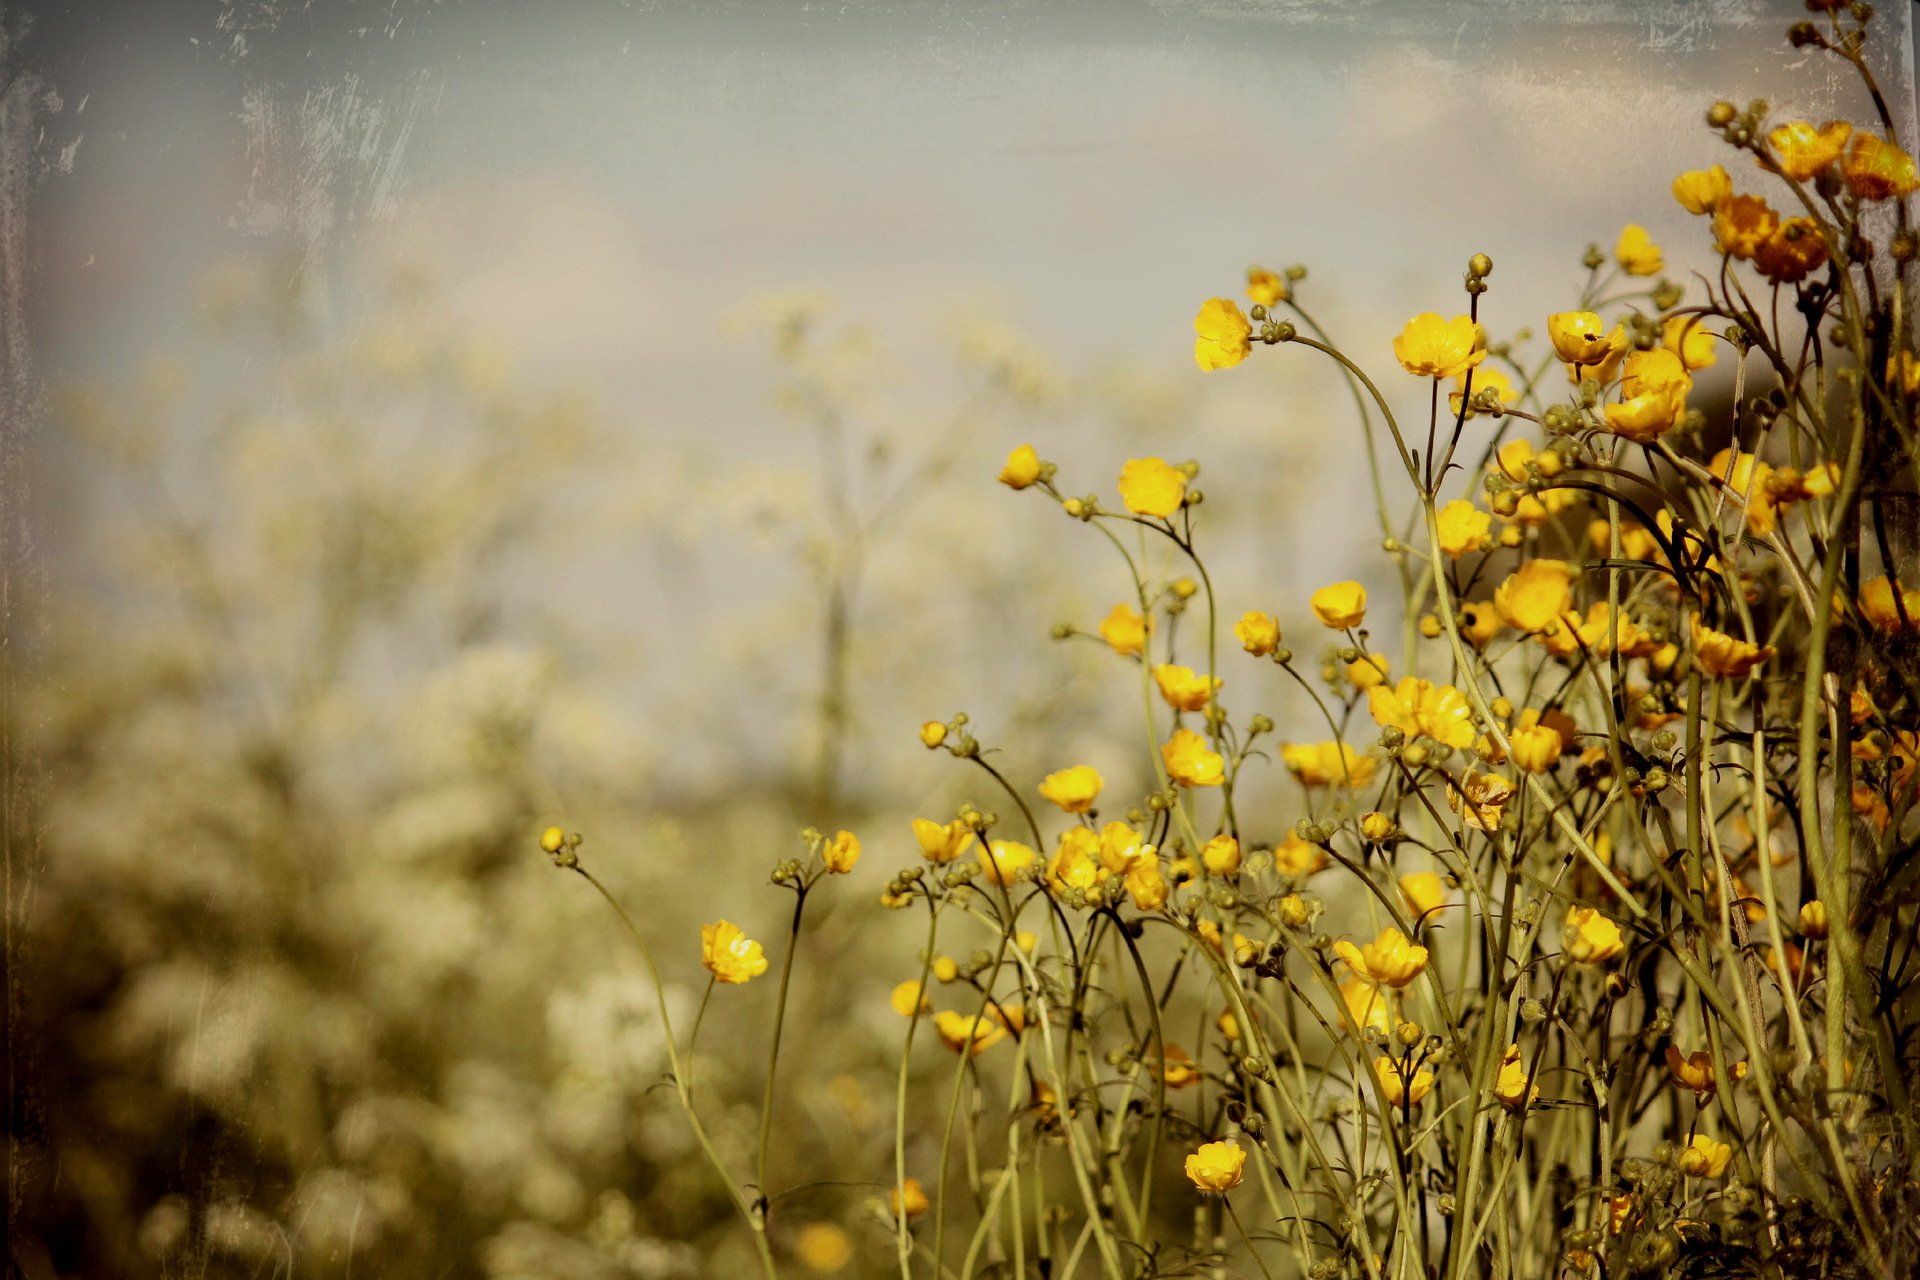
(841, 852)
(1876, 169)
(1535, 596)
(1367, 1005)
(1692, 1071)
(1579, 337)
(1727, 657)
(1327, 764)
(1299, 858)
(1791, 252)
(1689, 338)
(1424, 892)
(1340, 605)
(1004, 860)
(942, 842)
(1802, 151)
(730, 955)
(1741, 224)
(1390, 960)
(823, 1247)
(1022, 469)
(1266, 288)
(1600, 633)
(1190, 762)
(1125, 630)
(1222, 335)
(1481, 799)
(914, 1201)
(1589, 937)
(1636, 252)
(1704, 1157)
(1075, 789)
(1512, 1086)
(1463, 528)
(1813, 919)
(1702, 190)
(968, 1033)
(1367, 670)
(1258, 633)
(1400, 1083)
(1430, 347)
(1221, 855)
(1151, 487)
(1216, 1166)
(1416, 706)
(909, 998)
(1183, 688)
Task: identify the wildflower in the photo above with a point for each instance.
(1125, 631)
(1389, 960)
(1366, 1005)
(1327, 764)
(1876, 169)
(551, 839)
(1376, 826)
(1463, 528)
(1481, 799)
(1813, 919)
(1367, 670)
(909, 998)
(1636, 252)
(1265, 288)
(1424, 892)
(968, 1033)
(1183, 688)
(932, 734)
(841, 852)
(1578, 337)
(1145, 885)
(1340, 605)
(1723, 655)
(1791, 251)
(1703, 1157)
(730, 955)
(1190, 762)
(1299, 858)
(1741, 224)
(1689, 338)
(1702, 190)
(1004, 860)
(1692, 1070)
(1416, 706)
(1176, 1068)
(1535, 748)
(1121, 847)
(1258, 633)
(1222, 335)
(1619, 1209)
(1216, 1166)
(1221, 855)
(823, 1247)
(945, 969)
(1880, 607)
(1589, 937)
(1150, 487)
(1479, 623)
(1022, 469)
(1653, 395)
(1485, 378)
(1534, 596)
(1430, 347)
(942, 842)
(1075, 789)
(1400, 1083)
(1802, 151)
(910, 1196)
(1512, 1086)
(1753, 482)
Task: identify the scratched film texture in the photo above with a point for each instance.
(425, 421)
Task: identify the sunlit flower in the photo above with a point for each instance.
(914, 1200)
(1636, 252)
(1481, 799)
(1416, 706)
(1389, 960)
(823, 1247)
(1265, 287)
(1004, 860)
(1688, 337)
(1741, 224)
(1725, 656)
(1298, 858)
(1579, 337)
(841, 852)
(1402, 1084)
(1876, 169)
(1791, 251)
(1424, 892)
(1512, 1086)
(1075, 789)
(1535, 596)
(1704, 1157)
(1883, 607)
(1802, 151)
(1222, 335)
(1340, 605)
(1221, 855)
(1692, 1071)
(1151, 487)
(909, 998)
(1125, 631)
(1653, 391)
(1216, 1166)
(1258, 633)
(1190, 762)
(1463, 528)
(1367, 1005)
(730, 955)
(1022, 469)
(1327, 764)
(1600, 633)
(942, 842)
(1813, 919)
(1702, 190)
(969, 1033)
(1430, 347)
(1183, 688)
(1589, 937)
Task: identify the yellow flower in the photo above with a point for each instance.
(1747, 475)
(914, 1200)
(1222, 335)
(1075, 864)
(1703, 1157)
(1340, 605)
(1692, 1071)
(1397, 1087)
(1299, 858)
(1367, 1005)
(1741, 224)
(1145, 885)
(1646, 417)
(1265, 288)
(1121, 847)
(1536, 748)
(1485, 378)
(1416, 706)
(1702, 190)
(909, 998)
(1175, 1067)
(1258, 633)
(1589, 937)
(730, 955)
(932, 734)
(1725, 656)
(1221, 855)
(551, 839)
(1125, 631)
(942, 842)
(1430, 347)
(1579, 337)
(823, 1247)
(945, 969)
(1022, 469)
(1481, 800)
(1813, 919)
(1150, 487)
(1512, 1086)
(1606, 352)
(1876, 169)
(1390, 960)
(1075, 789)
(1479, 623)
(1327, 764)
(1802, 151)
(1424, 892)
(1463, 528)
(1689, 338)
(968, 1033)
(1183, 688)
(841, 852)
(1535, 596)
(1792, 251)
(1004, 860)
(1216, 1166)
(1367, 670)
(1190, 762)
(1636, 252)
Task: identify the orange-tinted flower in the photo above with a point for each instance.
(1791, 251)
(1217, 1166)
(1589, 937)
(1463, 528)
(1401, 1084)
(1876, 169)
(1579, 337)
(1183, 688)
(1481, 799)
(1741, 224)
(1075, 789)
(1258, 633)
(942, 842)
(730, 955)
(1327, 764)
(1636, 252)
(1689, 338)
(1265, 287)
(1802, 151)
(1725, 656)
(1424, 892)
(1535, 596)
(1512, 1086)
(1022, 469)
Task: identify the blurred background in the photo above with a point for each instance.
(430, 421)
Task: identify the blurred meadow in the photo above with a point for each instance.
(432, 422)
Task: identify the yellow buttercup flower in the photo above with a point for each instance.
(1702, 190)
(1579, 337)
(1076, 863)
(1151, 487)
(1802, 151)
(1535, 747)
(1221, 855)
(1599, 634)
(932, 734)
(1792, 251)
(1145, 885)
(1512, 1086)
(1222, 335)
(1479, 623)
(1535, 596)
(1813, 920)
(1183, 688)
(1004, 860)
(1481, 799)
(1703, 1157)
(1416, 706)
(1741, 224)
(1430, 347)
(1463, 528)
(1121, 847)
(1646, 417)
(909, 998)
(1368, 670)
(914, 1202)
(1424, 892)
(1753, 481)
(1727, 657)
(1367, 1005)
(730, 955)
(968, 1033)
(1340, 605)
(1022, 469)
(1075, 789)
(1485, 378)
(1327, 764)
(1125, 630)
(1298, 858)
(1589, 937)
(1876, 169)
(1692, 1071)
(1636, 252)
(1175, 1067)
(1401, 1084)
(823, 1247)
(841, 852)
(1265, 287)
(1258, 633)
(552, 839)
(942, 842)
(1390, 960)
(1190, 762)
(1216, 1166)
(1689, 338)
(1605, 367)
(1882, 605)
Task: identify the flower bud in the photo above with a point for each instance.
(1480, 265)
